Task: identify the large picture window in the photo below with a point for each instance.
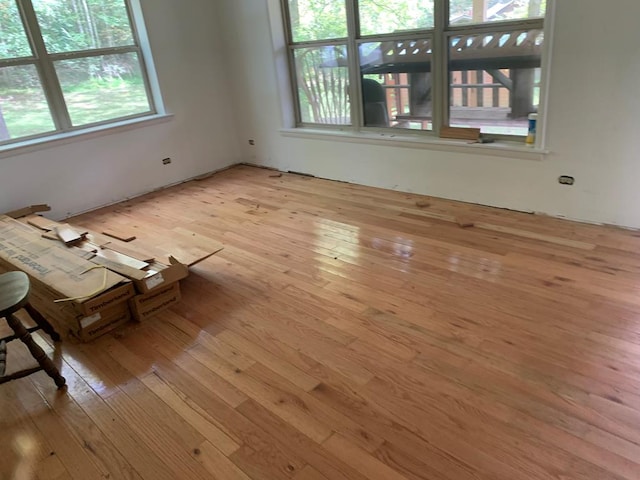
(416, 64)
(68, 64)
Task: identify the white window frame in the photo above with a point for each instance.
(440, 34)
(44, 64)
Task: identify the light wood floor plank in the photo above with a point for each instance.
(345, 333)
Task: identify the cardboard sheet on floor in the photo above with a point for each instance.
(185, 246)
(23, 212)
(131, 251)
(41, 222)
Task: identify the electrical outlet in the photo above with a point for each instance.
(166, 161)
(252, 142)
(566, 180)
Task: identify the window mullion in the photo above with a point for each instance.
(46, 69)
(144, 57)
(440, 67)
(496, 27)
(16, 62)
(96, 52)
(293, 81)
(355, 84)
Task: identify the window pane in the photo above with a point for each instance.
(495, 80)
(317, 19)
(13, 39)
(23, 107)
(480, 11)
(71, 25)
(396, 83)
(102, 88)
(322, 79)
(388, 16)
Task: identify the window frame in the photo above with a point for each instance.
(440, 34)
(43, 61)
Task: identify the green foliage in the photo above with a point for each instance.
(13, 41)
(26, 112)
(322, 78)
(95, 88)
(67, 26)
(326, 19)
(71, 25)
(387, 16)
(323, 81)
(318, 19)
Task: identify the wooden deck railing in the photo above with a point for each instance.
(486, 51)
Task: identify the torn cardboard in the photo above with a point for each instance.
(56, 273)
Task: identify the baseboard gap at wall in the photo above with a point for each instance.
(264, 167)
(528, 212)
(302, 174)
(153, 190)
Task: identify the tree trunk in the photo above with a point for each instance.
(535, 7)
(79, 15)
(4, 131)
(294, 13)
(90, 25)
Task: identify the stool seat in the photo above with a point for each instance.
(14, 292)
(14, 296)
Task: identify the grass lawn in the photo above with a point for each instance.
(25, 111)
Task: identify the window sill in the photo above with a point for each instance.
(393, 139)
(49, 141)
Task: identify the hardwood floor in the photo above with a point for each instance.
(346, 333)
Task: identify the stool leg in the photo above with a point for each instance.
(37, 352)
(42, 322)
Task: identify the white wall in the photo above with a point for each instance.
(593, 123)
(186, 40)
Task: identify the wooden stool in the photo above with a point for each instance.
(14, 295)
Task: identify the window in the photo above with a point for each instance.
(416, 64)
(68, 64)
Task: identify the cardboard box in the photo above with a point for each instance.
(83, 327)
(147, 305)
(56, 273)
(161, 275)
(157, 284)
(103, 322)
(108, 309)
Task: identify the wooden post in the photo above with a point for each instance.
(4, 130)
(479, 11)
(524, 78)
(522, 92)
(465, 90)
(420, 94)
